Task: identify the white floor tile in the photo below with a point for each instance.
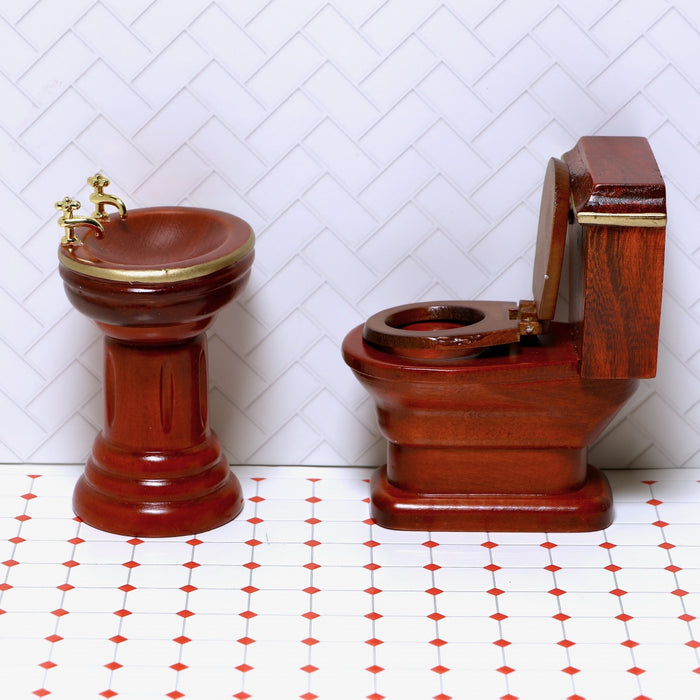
(302, 596)
(341, 628)
(528, 603)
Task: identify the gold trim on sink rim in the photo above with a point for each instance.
(157, 276)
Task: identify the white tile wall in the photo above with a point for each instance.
(384, 151)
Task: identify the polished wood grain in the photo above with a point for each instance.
(500, 441)
(157, 468)
(617, 272)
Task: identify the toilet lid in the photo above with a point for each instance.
(551, 238)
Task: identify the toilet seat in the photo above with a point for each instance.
(450, 329)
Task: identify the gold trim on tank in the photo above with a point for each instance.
(650, 219)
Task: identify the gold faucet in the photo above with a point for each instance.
(99, 198)
(68, 222)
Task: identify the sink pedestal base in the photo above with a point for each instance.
(156, 395)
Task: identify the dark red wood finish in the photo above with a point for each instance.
(499, 441)
(617, 272)
(157, 469)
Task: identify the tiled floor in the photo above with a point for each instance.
(303, 597)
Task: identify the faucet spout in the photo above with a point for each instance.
(100, 198)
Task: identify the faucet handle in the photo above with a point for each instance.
(98, 181)
(67, 205)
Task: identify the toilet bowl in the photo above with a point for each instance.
(489, 408)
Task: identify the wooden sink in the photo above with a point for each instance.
(153, 283)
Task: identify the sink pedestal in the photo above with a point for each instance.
(153, 284)
(180, 483)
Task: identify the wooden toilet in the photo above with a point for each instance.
(489, 408)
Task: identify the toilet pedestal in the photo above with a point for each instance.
(496, 443)
(181, 483)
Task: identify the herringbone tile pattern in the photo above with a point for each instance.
(384, 151)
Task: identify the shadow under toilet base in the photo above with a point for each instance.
(584, 510)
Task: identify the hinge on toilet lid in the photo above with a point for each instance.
(526, 315)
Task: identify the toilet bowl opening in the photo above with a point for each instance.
(434, 317)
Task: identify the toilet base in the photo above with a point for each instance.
(586, 509)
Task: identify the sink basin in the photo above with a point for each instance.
(158, 267)
(153, 283)
(161, 245)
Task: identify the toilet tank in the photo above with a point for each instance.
(616, 241)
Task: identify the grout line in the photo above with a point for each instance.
(685, 616)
